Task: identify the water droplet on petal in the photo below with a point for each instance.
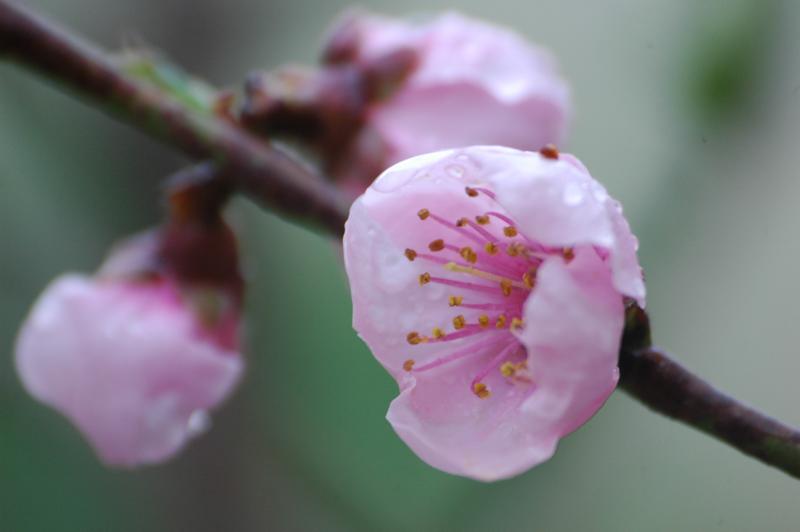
(198, 423)
(455, 170)
(573, 195)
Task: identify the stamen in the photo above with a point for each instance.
(438, 333)
(459, 322)
(485, 191)
(568, 254)
(516, 323)
(500, 216)
(408, 365)
(510, 231)
(531, 244)
(503, 353)
(481, 390)
(483, 232)
(455, 301)
(490, 248)
(505, 286)
(501, 321)
(468, 254)
(468, 330)
(489, 306)
(471, 192)
(423, 214)
(461, 222)
(529, 278)
(472, 349)
(454, 226)
(466, 286)
(549, 151)
(410, 254)
(453, 267)
(414, 338)
(424, 279)
(433, 258)
(483, 320)
(436, 245)
(508, 369)
(482, 219)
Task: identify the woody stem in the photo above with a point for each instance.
(286, 186)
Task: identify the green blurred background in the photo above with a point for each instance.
(688, 111)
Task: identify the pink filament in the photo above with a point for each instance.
(505, 351)
(468, 350)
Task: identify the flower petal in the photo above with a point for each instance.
(124, 364)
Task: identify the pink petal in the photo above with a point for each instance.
(125, 364)
(475, 83)
(573, 317)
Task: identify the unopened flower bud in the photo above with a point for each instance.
(132, 358)
(471, 83)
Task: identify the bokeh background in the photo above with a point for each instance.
(689, 112)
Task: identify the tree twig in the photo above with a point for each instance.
(665, 386)
(287, 186)
(261, 170)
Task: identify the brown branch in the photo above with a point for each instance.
(288, 187)
(665, 386)
(256, 167)
(652, 377)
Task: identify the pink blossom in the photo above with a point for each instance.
(128, 362)
(490, 283)
(474, 83)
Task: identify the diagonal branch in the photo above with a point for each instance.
(651, 376)
(290, 188)
(259, 169)
(665, 386)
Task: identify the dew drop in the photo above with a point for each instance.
(198, 423)
(455, 170)
(573, 195)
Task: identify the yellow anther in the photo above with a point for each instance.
(423, 214)
(514, 249)
(456, 301)
(471, 192)
(505, 286)
(436, 245)
(481, 390)
(491, 248)
(568, 254)
(411, 254)
(517, 323)
(508, 369)
(459, 322)
(488, 276)
(461, 222)
(483, 320)
(529, 278)
(408, 365)
(549, 151)
(424, 278)
(482, 219)
(510, 231)
(414, 338)
(438, 333)
(501, 321)
(468, 254)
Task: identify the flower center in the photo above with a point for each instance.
(490, 277)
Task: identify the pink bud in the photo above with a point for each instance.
(128, 362)
(473, 83)
(490, 283)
